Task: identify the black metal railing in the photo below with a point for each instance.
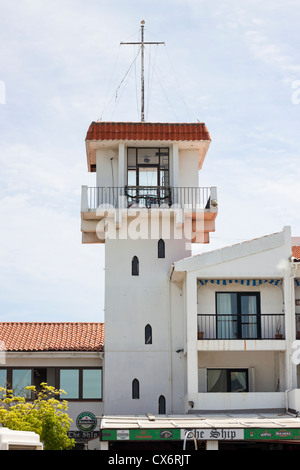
(264, 326)
(148, 196)
(193, 198)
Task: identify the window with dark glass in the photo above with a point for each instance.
(238, 315)
(135, 266)
(161, 249)
(39, 376)
(227, 380)
(148, 167)
(148, 176)
(148, 334)
(135, 389)
(161, 405)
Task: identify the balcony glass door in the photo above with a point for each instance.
(148, 176)
(238, 315)
(249, 316)
(227, 316)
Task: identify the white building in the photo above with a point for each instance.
(199, 350)
(242, 299)
(147, 208)
(65, 355)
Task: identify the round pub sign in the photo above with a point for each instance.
(86, 421)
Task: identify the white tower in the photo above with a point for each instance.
(147, 208)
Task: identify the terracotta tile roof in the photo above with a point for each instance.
(38, 336)
(296, 251)
(99, 130)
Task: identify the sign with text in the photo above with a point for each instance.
(205, 434)
(213, 434)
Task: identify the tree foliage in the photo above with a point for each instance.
(44, 415)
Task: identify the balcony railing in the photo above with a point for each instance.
(193, 198)
(265, 326)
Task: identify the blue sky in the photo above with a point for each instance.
(234, 65)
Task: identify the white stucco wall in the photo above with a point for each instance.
(188, 168)
(107, 167)
(132, 302)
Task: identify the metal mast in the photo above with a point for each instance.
(142, 44)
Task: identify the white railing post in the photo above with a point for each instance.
(213, 198)
(84, 199)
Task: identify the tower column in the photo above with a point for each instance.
(121, 167)
(191, 334)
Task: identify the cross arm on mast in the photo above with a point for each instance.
(142, 43)
(145, 42)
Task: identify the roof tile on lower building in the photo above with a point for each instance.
(51, 336)
(296, 251)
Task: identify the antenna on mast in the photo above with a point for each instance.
(142, 44)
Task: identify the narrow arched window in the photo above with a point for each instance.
(161, 248)
(135, 266)
(135, 389)
(162, 405)
(148, 334)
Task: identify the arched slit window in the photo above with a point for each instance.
(161, 248)
(135, 389)
(135, 266)
(162, 405)
(148, 334)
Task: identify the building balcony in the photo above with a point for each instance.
(251, 332)
(198, 204)
(189, 198)
(233, 402)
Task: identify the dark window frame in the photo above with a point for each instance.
(80, 384)
(228, 379)
(158, 165)
(238, 315)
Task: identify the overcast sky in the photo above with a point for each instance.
(234, 65)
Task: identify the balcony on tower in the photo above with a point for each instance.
(147, 166)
